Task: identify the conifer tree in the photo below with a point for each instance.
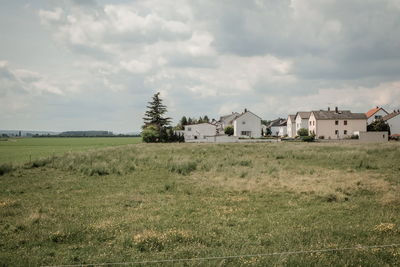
(155, 113)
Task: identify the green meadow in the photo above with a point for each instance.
(20, 150)
(147, 202)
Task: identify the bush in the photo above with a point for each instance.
(379, 126)
(302, 132)
(321, 137)
(5, 168)
(150, 134)
(229, 130)
(308, 138)
(183, 168)
(354, 136)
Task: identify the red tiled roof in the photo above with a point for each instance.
(371, 112)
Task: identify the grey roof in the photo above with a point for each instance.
(303, 114)
(391, 115)
(341, 115)
(292, 117)
(229, 118)
(275, 123)
(283, 123)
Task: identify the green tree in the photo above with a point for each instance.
(184, 121)
(229, 130)
(379, 126)
(200, 120)
(206, 119)
(155, 113)
(302, 132)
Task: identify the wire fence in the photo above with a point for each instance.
(229, 256)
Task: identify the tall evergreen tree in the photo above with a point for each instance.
(206, 119)
(155, 113)
(184, 121)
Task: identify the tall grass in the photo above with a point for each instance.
(160, 201)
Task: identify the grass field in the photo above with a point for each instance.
(162, 201)
(19, 150)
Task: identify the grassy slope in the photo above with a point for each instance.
(157, 201)
(19, 150)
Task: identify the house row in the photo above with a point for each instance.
(324, 124)
(339, 124)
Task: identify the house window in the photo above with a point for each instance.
(189, 129)
(336, 132)
(247, 133)
(313, 123)
(345, 131)
(310, 123)
(378, 117)
(243, 122)
(345, 122)
(336, 122)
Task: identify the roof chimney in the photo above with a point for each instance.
(377, 107)
(336, 110)
(329, 108)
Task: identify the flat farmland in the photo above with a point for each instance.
(20, 150)
(149, 202)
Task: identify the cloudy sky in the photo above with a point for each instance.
(75, 65)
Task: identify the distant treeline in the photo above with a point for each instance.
(88, 134)
(189, 121)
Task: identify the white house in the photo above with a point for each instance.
(375, 113)
(247, 124)
(291, 126)
(283, 129)
(336, 124)
(275, 126)
(301, 120)
(199, 131)
(393, 119)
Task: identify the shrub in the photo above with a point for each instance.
(379, 126)
(150, 134)
(321, 137)
(5, 168)
(308, 138)
(183, 168)
(354, 136)
(229, 130)
(302, 132)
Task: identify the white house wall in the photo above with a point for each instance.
(248, 122)
(301, 123)
(291, 128)
(275, 130)
(394, 124)
(327, 128)
(199, 131)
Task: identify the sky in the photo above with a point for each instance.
(94, 65)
